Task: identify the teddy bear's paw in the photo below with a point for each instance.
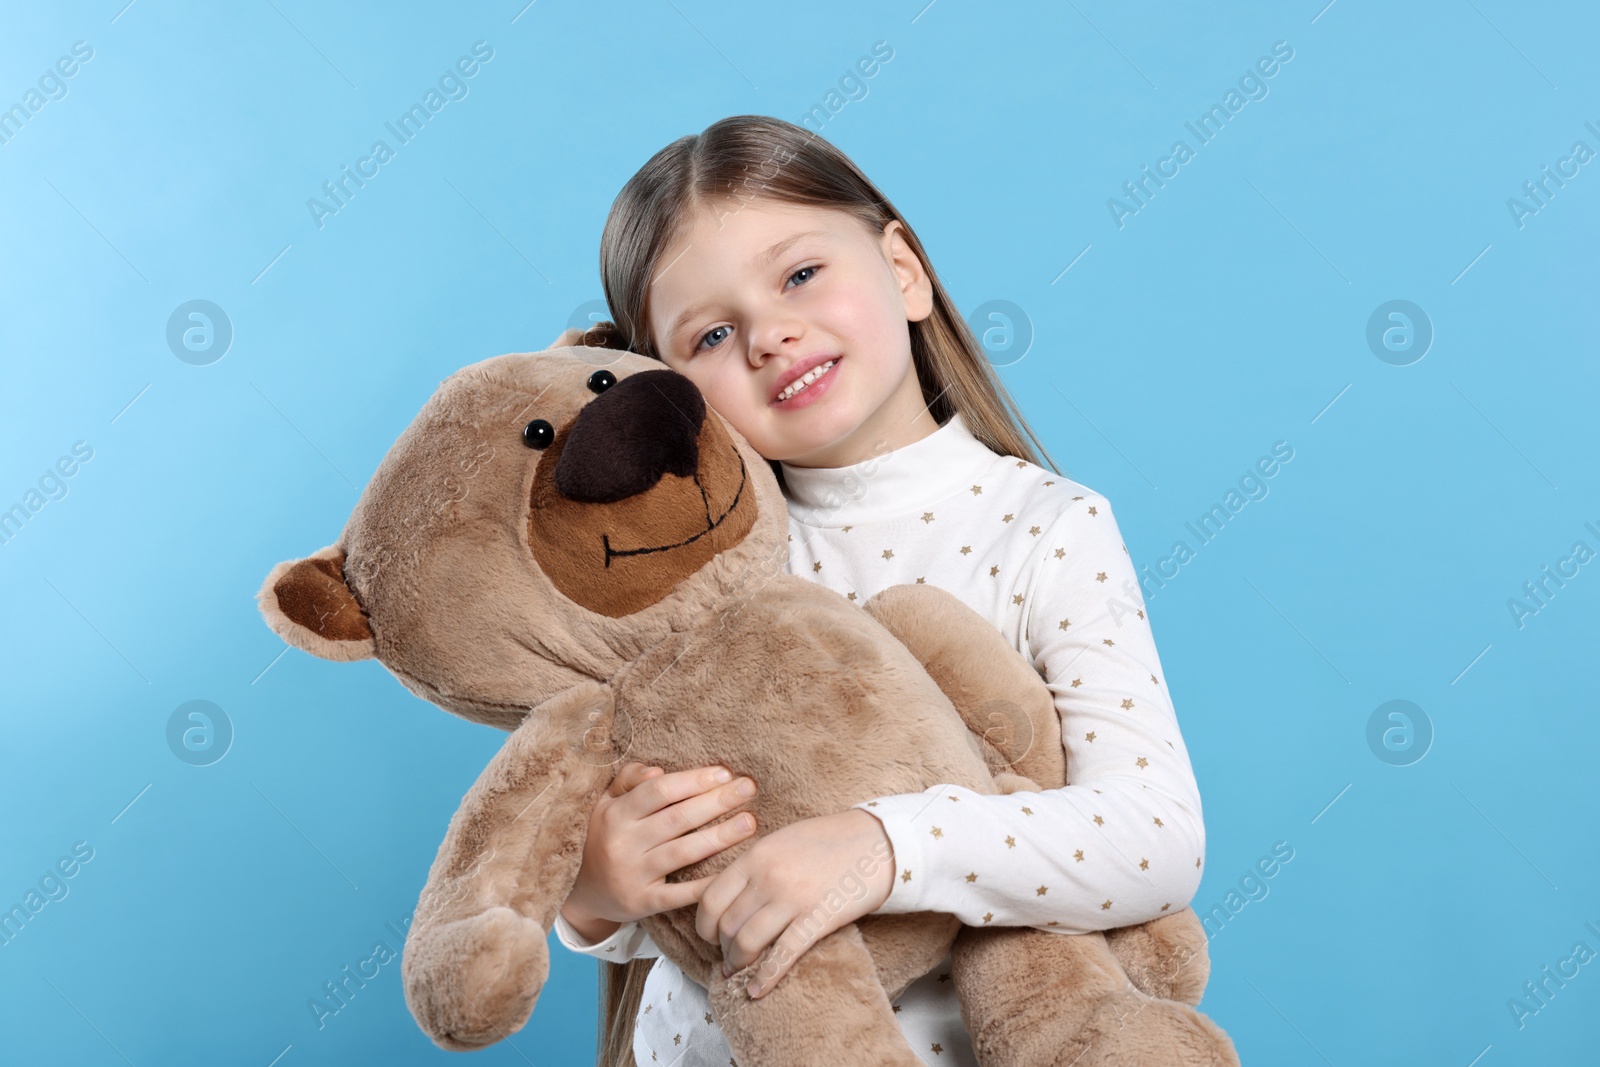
(1165, 958)
(1148, 1032)
(1009, 783)
(472, 982)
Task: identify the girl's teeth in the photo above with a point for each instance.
(806, 379)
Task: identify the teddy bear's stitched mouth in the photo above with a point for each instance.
(712, 524)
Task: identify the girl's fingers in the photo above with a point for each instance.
(747, 927)
(787, 947)
(631, 774)
(723, 889)
(653, 794)
(691, 817)
(701, 843)
(674, 895)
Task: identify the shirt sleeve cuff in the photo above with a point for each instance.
(630, 941)
(898, 815)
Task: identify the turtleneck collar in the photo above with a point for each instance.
(899, 482)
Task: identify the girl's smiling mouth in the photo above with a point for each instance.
(807, 386)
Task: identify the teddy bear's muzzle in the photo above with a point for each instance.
(623, 441)
(640, 490)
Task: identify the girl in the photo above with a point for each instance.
(757, 260)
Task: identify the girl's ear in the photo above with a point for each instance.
(308, 603)
(916, 288)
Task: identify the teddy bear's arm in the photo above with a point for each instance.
(476, 958)
(1000, 696)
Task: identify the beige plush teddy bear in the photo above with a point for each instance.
(573, 547)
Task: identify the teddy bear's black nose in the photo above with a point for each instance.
(626, 438)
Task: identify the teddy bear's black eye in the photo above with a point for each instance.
(538, 434)
(601, 380)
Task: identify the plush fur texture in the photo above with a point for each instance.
(618, 593)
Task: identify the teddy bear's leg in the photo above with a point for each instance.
(828, 1009)
(999, 695)
(1165, 957)
(475, 958)
(1036, 999)
(907, 946)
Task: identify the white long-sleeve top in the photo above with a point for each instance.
(1040, 557)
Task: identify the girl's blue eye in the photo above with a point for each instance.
(813, 269)
(708, 334)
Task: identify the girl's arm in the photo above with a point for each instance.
(628, 942)
(1124, 842)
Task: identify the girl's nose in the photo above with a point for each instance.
(774, 335)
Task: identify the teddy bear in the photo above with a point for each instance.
(573, 547)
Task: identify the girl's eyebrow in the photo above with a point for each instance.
(778, 249)
(761, 260)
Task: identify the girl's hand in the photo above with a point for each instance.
(646, 826)
(793, 887)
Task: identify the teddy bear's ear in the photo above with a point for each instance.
(602, 334)
(308, 603)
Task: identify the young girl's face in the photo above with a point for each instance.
(753, 297)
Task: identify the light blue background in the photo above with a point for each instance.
(1228, 314)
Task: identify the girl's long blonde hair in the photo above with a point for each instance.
(736, 161)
